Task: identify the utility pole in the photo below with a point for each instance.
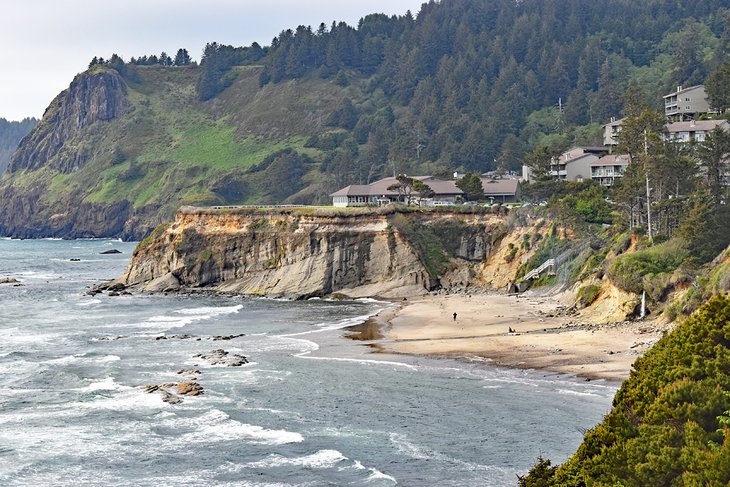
(648, 201)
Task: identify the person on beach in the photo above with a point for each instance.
(454, 316)
(510, 329)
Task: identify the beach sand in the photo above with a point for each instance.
(547, 335)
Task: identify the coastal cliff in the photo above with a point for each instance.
(303, 252)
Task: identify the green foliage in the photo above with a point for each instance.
(512, 252)
(10, 134)
(588, 294)
(587, 206)
(427, 243)
(472, 187)
(629, 271)
(705, 227)
(666, 426)
(716, 86)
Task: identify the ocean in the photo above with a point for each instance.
(311, 408)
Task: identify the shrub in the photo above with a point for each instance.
(588, 294)
(627, 271)
(512, 252)
(668, 425)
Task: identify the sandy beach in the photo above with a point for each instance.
(546, 335)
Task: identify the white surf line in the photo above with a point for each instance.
(356, 360)
(338, 326)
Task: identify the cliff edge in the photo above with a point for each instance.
(305, 252)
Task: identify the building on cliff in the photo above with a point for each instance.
(377, 193)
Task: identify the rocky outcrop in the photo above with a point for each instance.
(33, 202)
(302, 252)
(93, 96)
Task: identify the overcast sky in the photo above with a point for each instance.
(45, 43)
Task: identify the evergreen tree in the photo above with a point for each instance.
(717, 86)
(472, 187)
(182, 58)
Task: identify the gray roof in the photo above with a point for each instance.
(612, 160)
(500, 187)
(683, 90)
(695, 125)
(441, 187)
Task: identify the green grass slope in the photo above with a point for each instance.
(169, 149)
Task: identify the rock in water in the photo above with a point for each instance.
(170, 398)
(190, 388)
(221, 357)
(112, 251)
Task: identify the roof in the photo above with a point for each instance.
(612, 160)
(500, 187)
(612, 123)
(442, 187)
(561, 162)
(681, 90)
(380, 187)
(695, 125)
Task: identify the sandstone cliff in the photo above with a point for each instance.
(302, 252)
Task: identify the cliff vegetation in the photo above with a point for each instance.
(461, 85)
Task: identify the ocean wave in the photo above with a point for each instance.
(358, 361)
(322, 459)
(215, 426)
(405, 446)
(182, 317)
(107, 384)
(210, 311)
(89, 302)
(578, 393)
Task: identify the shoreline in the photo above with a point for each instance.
(547, 335)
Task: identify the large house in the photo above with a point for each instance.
(572, 165)
(609, 167)
(686, 103)
(691, 130)
(377, 193)
(611, 131)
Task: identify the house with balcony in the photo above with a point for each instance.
(686, 103)
(611, 131)
(572, 165)
(693, 130)
(608, 168)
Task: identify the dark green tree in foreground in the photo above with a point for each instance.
(670, 423)
(472, 187)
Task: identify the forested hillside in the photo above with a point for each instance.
(10, 135)
(466, 85)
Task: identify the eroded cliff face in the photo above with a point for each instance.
(95, 96)
(33, 200)
(280, 253)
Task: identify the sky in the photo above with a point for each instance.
(45, 43)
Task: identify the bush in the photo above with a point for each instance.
(588, 294)
(511, 254)
(669, 423)
(627, 271)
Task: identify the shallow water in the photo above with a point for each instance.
(311, 409)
